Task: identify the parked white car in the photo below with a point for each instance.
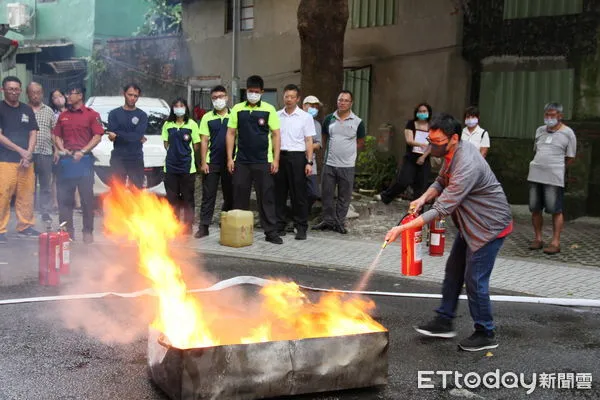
(154, 150)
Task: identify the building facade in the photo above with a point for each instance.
(57, 37)
(397, 54)
(524, 54)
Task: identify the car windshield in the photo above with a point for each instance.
(156, 118)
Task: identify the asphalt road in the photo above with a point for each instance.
(96, 349)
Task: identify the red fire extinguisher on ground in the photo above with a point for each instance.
(437, 237)
(412, 262)
(54, 256)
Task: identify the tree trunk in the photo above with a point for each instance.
(322, 27)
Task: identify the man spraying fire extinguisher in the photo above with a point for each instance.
(468, 191)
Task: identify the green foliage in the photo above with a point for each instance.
(375, 171)
(162, 18)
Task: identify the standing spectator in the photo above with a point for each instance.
(213, 130)
(43, 155)
(468, 191)
(18, 130)
(555, 147)
(344, 133)
(255, 125)
(58, 102)
(77, 131)
(416, 166)
(475, 134)
(182, 141)
(311, 105)
(126, 129)
(297, 131)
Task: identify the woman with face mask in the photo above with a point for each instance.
(182, 140)
(475, 134)
(416, 166)
(58, 102)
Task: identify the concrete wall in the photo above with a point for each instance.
(418, 59)
(119, 18)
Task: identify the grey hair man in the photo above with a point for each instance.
(555, 147)
(43, 154)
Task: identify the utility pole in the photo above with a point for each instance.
(235, 79)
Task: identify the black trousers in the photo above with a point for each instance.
(43, 172)
(259, 174)
(66, 201)
(291, 180)
(210, 184)
(125, 167)
(410, 174)
(180, 193)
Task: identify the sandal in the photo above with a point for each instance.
(536, 245)
(552, 249)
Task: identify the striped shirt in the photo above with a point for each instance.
(46, 121)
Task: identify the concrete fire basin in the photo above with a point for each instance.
(270, 369)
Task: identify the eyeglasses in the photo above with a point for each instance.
(437, 142)
(72, 93)
(13, 90)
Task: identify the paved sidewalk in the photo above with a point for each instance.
(534, 278)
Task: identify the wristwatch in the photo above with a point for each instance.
(309, 162)
(82, 151)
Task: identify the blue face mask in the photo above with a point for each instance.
(313, 111)
(422, 115)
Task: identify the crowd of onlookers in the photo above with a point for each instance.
(250, 144)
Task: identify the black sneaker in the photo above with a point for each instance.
(300, 235)
(46, 218)
(3, 238)
(274, 238)
(341, 229)
(323, 226)
(438, 327)
(28, 232)
(281, 233)
(479, 340)
(202, 232)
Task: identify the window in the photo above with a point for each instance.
(46, 1)
(370, 13)
(246, 15)
(536, 8)
(512, 103)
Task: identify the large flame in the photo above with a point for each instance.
(285, 312)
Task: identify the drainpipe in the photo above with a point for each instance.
(235, 79)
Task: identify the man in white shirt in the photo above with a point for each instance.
(555, 148)
(295, 162)
(475, 134)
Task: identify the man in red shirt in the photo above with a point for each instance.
(78, 130)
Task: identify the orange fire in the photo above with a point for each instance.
(285, 312)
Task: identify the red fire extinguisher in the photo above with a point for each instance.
(54, 250)
(412, 263)
(65, 249)
(437, 237)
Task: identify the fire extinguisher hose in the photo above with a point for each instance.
(253, 280)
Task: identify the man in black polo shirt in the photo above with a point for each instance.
(213, 129)
(18, 130)
(255, 125)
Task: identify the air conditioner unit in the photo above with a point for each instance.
(19, 16)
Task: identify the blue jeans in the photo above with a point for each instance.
(474, 270)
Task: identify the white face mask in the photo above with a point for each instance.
(551, 122)
(253, 98)
(179, 111)
(471, 122)
(219, 104)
